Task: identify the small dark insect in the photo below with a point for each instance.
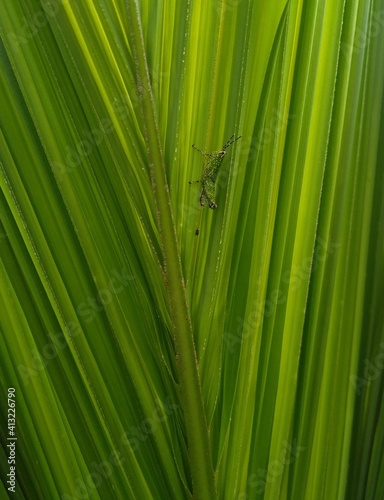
(197, 232)
(211, 169)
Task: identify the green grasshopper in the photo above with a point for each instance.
(210, 172)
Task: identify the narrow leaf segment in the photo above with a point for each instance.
(203, 478)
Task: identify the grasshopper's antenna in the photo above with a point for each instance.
(230, 141)
(207, 155)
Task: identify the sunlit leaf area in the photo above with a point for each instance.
(192, 249)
